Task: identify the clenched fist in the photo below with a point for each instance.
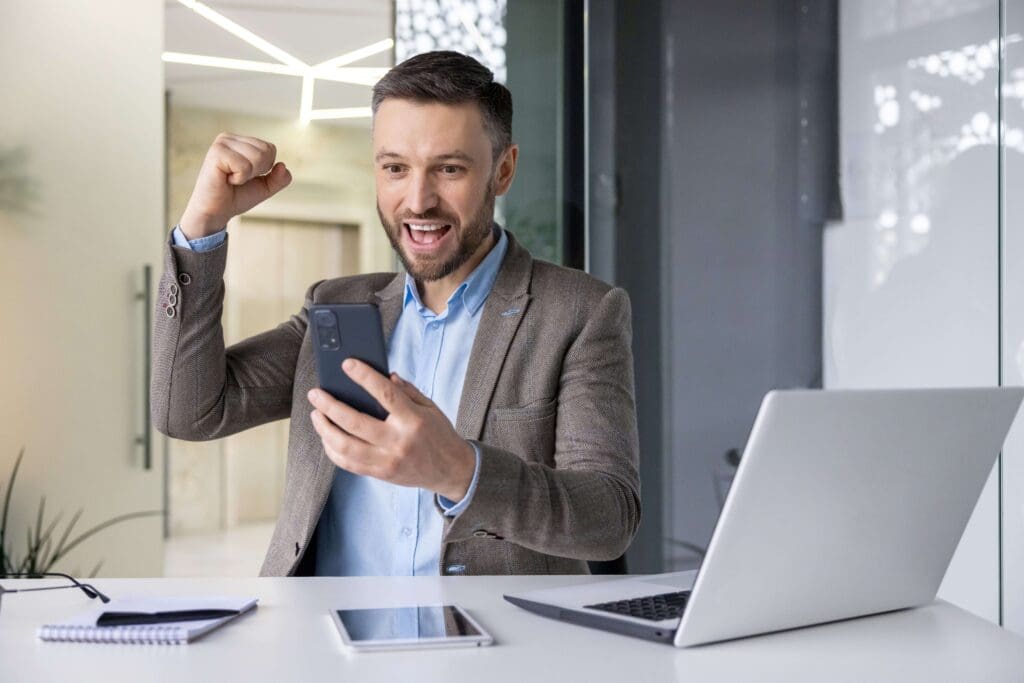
(237, 174)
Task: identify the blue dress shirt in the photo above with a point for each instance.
(370, 527)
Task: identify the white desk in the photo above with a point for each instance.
(290, 638)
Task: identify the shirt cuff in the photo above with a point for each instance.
(451, 508)
(208, 243)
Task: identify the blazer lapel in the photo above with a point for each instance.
(500, 318)
(389, 302)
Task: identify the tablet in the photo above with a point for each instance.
(403, 628)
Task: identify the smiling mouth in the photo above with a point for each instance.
(427, 234)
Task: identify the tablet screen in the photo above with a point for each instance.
(406, 623)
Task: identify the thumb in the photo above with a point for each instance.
(278, 179)
(261, 188)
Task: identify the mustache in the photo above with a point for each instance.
(431, 215)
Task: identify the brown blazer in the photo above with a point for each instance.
(548, 398)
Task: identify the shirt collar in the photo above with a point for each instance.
(475, 288)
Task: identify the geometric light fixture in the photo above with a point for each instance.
(335, 69)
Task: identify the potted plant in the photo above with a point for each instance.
(45, 543)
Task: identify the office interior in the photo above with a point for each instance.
(795, 194)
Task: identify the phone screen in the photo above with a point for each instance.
(406, 623)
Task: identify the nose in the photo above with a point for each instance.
(422, 196)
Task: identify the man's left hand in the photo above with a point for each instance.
(415, 446)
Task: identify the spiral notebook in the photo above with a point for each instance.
(84, 629)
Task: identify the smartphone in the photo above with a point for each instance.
(405, 628)
(341, 331)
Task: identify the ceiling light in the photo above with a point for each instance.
(334, 69)
(226, 63)
(306, 100)
(358, 75)
(344, 113)
(243, 33)
(356, 55)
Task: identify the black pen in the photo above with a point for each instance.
(141, 618)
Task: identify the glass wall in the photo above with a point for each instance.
(524, 44)
(1011, 367)
(924, 276)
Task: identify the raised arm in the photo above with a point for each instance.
(200, 390)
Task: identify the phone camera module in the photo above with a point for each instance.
(327, 330)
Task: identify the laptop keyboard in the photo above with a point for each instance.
(651, 607)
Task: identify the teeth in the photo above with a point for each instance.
(426, 228)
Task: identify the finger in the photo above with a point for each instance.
(377, 385)
(360, 425)
(350, 447)
(237, 167)
(347, 464)
(411, 391)
(349, 457)
(256, 142)
(261, 158)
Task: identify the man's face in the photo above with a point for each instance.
(435, 183)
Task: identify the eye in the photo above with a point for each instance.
(392, 169)
(450, 170)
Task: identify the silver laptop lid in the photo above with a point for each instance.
(845, 503)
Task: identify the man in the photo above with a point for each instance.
(510, 444)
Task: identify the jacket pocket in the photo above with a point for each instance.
(532, 411)
(527, 431)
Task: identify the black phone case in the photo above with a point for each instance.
(360, 337)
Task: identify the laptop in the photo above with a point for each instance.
(845, 503)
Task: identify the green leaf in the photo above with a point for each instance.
(8, 561)
(100, 527)
(96, 570)
(59, 550)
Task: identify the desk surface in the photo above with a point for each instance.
(290, 637)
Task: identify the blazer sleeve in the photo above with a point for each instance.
(588, 505)
(200, 390)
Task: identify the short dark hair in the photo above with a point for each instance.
(452, 78)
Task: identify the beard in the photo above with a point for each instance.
(468, 237)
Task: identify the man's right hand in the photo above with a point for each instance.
(237, 174)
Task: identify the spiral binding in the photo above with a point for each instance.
(155, 634)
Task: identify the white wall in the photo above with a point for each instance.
(911, 283)
(82, 93)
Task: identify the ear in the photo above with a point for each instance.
(506, 170)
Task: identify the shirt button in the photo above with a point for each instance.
(406, 531)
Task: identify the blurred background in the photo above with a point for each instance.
(794, 193)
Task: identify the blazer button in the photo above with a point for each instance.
(174, 288)
(169, 311)
(184, 278)
(480, 533)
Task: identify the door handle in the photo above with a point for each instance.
(146, 297)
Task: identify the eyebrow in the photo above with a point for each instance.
(457, 155)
